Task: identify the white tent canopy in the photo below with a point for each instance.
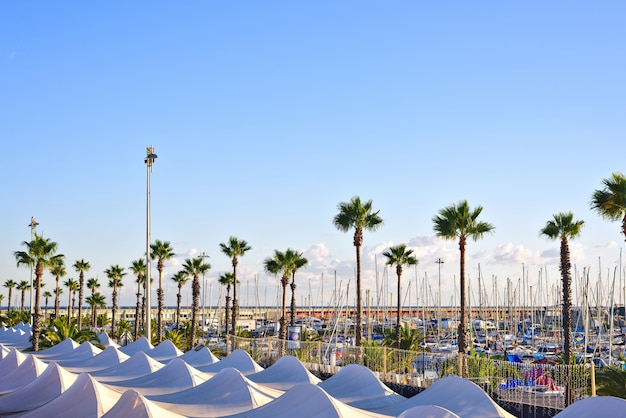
(165, 352)
(11, 361)
(85, 398)
(464, 398)
(287, 372)
(199, 356)
(25, 373)
(133, 405)
(109, 357)
(64, 347)
(173, 377)
(229, 392)
(50, 384)
(427, 411)
(306, 399)
(238, 359)
(83, 352)
(142, 344)
(595, 407)
(370, 393)
(140, 364)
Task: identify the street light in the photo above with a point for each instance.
(150, 157)
(33, 224)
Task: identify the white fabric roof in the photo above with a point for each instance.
(427, 411)
(175, 376)
(106, 341)
(458, 395)
(142, 344)
(83, 352)
(140, 364)
(308, 400)
(49, 385)
(228, 392)
(16, 337)
(85, 398)
(287, 372)
(25, 373)
(370, 393)
(165, 351)
(596, 407)
(109, 357)
(64, 347)
(11, 361)
(238, 359)
(133, 405)
(199, 356)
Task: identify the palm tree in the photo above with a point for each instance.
(10, 284)
(234, 249)
(181, 278)
(139, 270)
(72, 286)
(46, 295)
(57, 293)
(23, 286)
(458, 221)
(115, 274)
(93, 284)
(226, 279)
(81, 266)
(161, 250)
(194, 267)
(564, 227)
(282, 263)
(399, 256)
(95, 300)
(361, 217)
(610, 202)
(57, 271)
(298, 262)
(40, 254)
(63, 329)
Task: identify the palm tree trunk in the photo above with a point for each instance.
(137, 310)
(160, 304)
(227, 319)
(56, 299)
(81, 285)
(461, 329)
(283, 320)
(235, 301)
(292, 319)
(9, 303)
(357, 326)
(113, 309)
(179, 296)
(37, 311)
(195, 292)
(23, 299)
(399, 273)
(567, 318)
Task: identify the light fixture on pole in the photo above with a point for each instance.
(150, 157)
(33, 224)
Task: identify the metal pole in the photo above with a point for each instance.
(33, 224)
(150, 157)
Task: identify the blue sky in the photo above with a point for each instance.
(266, 115)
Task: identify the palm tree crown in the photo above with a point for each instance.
(115, 274)
(610, 202)
(361, 217)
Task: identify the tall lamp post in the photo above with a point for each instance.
(439, 261)
(150, 157)
(33, 224)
